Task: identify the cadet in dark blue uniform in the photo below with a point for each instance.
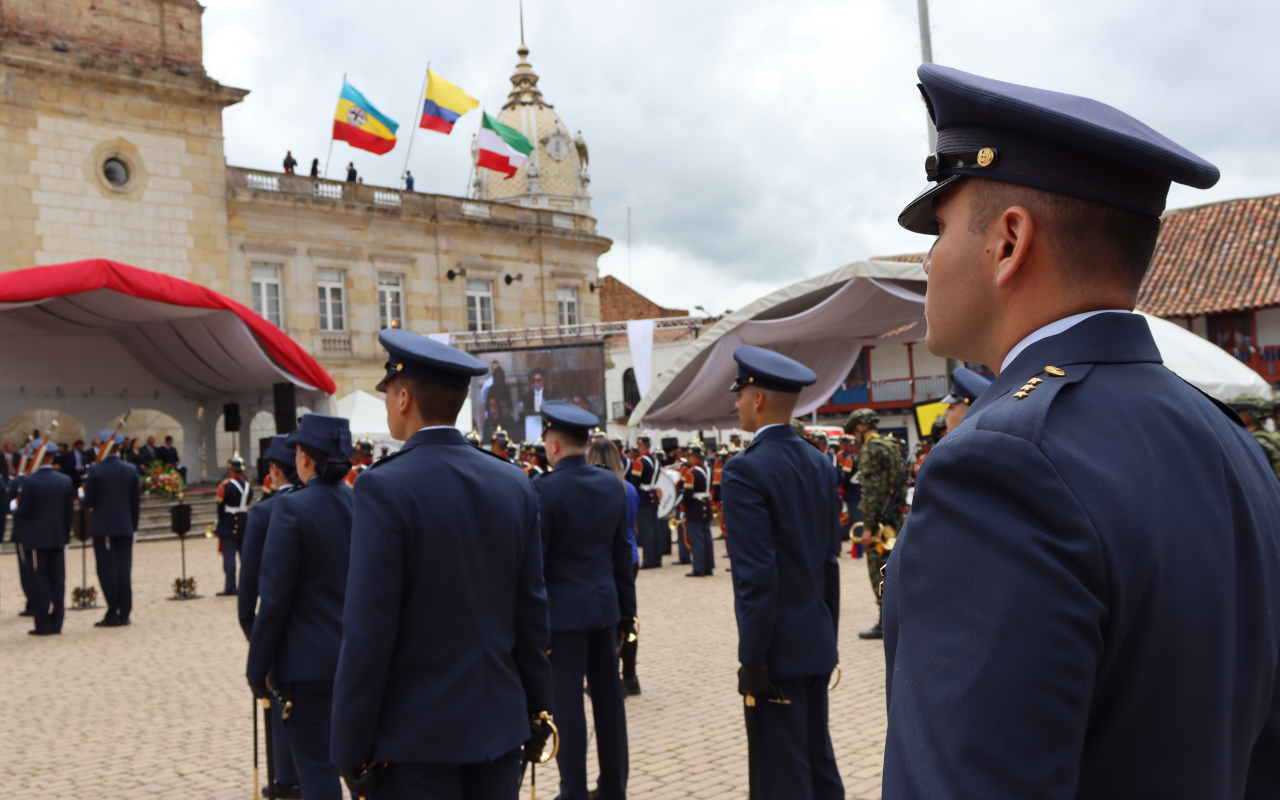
(280, 458)
(444, 672)
(114, 492)
(586, 558)
(24, 558)
(782, 511)
(696, 499)
(42, 522)
(649, 530)
(1083, 601)
(298, 631)
(235, 493)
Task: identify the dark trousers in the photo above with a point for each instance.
(491, 780)
(629, 649)
(792, 744)
(230, 548)
(309, 726)
(49, 588)
(282, 749)
(591, 654)
(114, 558)
(683, 552)
(702, 550)
(877, 560)
(647, 525)
(25, 569)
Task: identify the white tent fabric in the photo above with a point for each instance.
(1203, 364)
(823, 322)
(368, 417)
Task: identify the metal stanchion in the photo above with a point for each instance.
(84, 596)
(184, 588)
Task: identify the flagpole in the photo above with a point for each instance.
(330, 156)
(421, 99)
(471, 171)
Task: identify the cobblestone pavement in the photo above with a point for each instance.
(160, 708)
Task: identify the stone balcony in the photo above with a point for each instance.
(266, 185)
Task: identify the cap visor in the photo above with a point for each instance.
(918, 216)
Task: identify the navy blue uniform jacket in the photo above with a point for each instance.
(1083, 602)
(302, 581)
(255, 538)
(445, 629)
(43, 518)
(782, 513)
(586, 555)
(114, 492)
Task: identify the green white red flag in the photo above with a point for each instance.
(502, 147)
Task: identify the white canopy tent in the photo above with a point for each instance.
(825, 321)
(367, 415)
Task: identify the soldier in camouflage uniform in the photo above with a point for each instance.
(878, 464)
(1254, 410)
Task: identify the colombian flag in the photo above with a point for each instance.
(359, 124)
(444, 104)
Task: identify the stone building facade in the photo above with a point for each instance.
(111, 139)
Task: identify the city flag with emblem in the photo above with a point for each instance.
(502, 148)
(444, 103)
(358, 123)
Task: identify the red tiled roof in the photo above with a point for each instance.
(1214, 258)
(619, 302)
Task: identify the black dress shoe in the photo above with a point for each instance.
(231, 593)
(684, 561)
(651, 566)
(631, 686)
(595, 795)
(695, 574)
(106, 623)
(874, 633)
(43, 633)
(26, 613)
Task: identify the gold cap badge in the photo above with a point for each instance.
(986, 157)
(399, 367)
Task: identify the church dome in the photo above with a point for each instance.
(554, 176)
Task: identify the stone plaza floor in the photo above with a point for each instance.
(160, 709)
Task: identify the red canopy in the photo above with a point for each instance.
(184, 332)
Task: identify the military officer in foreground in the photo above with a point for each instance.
(586, 559)
(42, 522)
(283, 473)
(297, 633)
(114, 492)
(783, 513)
(235, 493)
(1050, 631)
(1254, 410)
(444, 674)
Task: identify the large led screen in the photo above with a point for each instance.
(520, 381)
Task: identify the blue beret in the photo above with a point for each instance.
(279, 450)
(415, 356)
(966, 386)
(769, 370)
(562, 416)
(1049, 140)
(105, 436)
(327, 434)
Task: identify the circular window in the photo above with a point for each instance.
(116, 172)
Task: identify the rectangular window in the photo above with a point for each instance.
(567, 305)
(479, 305)
(266, 293)
(329, 289)
(1231, 331)
(389, 300)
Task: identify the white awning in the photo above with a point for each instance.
(823, 322)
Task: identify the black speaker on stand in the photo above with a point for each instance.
(286, 403)
(231, 417)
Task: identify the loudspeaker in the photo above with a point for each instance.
(231, 417)
(263, 443)
(286, 403)
(180, 519)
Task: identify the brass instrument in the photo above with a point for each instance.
(886, 537)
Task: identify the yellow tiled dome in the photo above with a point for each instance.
(555, 174)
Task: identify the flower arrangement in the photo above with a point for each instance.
(161, 480)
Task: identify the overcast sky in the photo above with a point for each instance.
(756, 142)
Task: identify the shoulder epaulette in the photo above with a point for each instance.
(386, 458)
(1023, 412)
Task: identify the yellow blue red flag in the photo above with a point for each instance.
(444, 103)
(358, 123)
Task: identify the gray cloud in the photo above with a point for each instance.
(757, 142)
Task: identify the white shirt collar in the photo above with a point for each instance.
(436, 428)
(1053, 329)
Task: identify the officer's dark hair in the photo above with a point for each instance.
(290, 470)
(329, 469)
(1087, 238)
(435, 403)
(574, 438)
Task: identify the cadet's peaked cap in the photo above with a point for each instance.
(561, 416)
(966, 386)
(106, 436)
(279, 450)
(769, 370)
(416, 356)
(1049, 140)
(327, 434)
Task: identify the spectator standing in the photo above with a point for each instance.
(351, 172)
(315, 168)
(408, 181)
(289, 162)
